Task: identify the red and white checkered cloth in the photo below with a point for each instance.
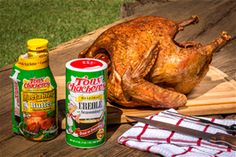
(169, 143)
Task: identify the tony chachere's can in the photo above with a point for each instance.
(86, 102)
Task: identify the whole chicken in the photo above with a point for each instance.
(147, 67)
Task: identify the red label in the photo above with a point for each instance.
(83, 64)
(86, 85)
(89, 131)
(37, 83)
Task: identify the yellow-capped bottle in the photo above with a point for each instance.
(34, 104)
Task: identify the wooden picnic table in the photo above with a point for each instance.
(215, 16)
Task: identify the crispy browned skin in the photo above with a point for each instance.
(147, 67)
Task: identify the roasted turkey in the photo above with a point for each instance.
(147, 67)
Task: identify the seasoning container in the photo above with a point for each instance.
(34, 105)
(86, 102)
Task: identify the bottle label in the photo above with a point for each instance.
(38, 104)
(38, 101)
(33, 62)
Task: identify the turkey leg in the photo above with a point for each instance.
(186, 22)
(188, 44)
(216, 44)
(147, 93)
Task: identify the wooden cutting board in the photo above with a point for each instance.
(216, 94)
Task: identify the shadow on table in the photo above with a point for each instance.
(113, 120)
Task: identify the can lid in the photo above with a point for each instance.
(86, 65)
(37, 44)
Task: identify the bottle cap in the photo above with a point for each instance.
(37, 44)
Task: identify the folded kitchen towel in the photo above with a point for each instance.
(169, 143)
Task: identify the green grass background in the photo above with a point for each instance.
(56, 20)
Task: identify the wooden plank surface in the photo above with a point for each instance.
(215, 16)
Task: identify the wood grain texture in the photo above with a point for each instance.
(215, 16)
